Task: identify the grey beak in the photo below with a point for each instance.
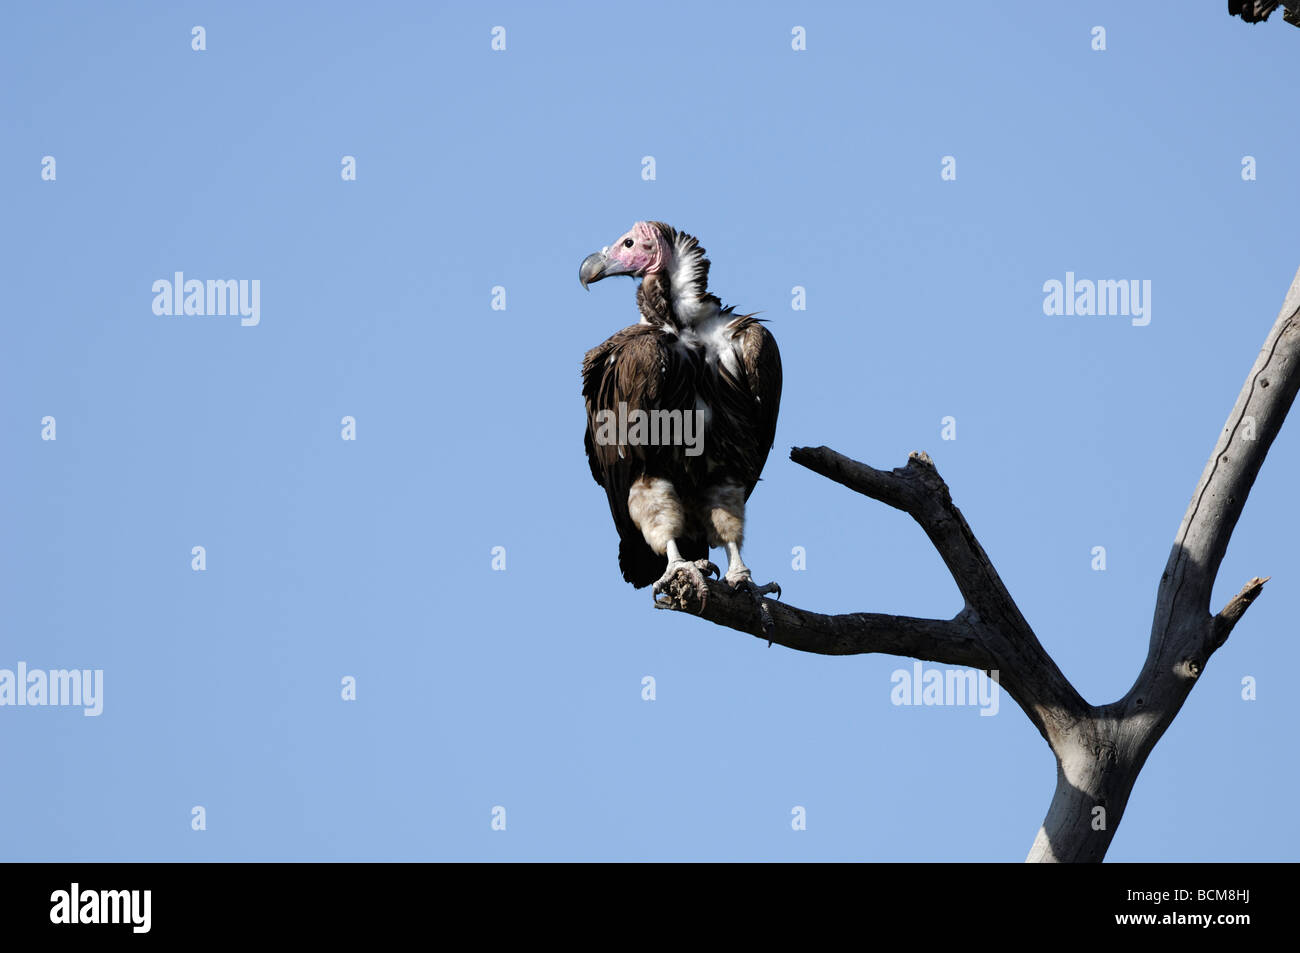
(593, 268)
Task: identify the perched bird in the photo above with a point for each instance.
(681, 414)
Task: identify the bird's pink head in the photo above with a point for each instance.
(642, 250)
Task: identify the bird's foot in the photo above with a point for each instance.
(742, 581)
(695, 571)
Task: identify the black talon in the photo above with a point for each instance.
(764, 614)
(765, 618)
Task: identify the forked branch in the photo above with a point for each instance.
(1099, 749)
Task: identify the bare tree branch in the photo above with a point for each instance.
(1230, 614)
(1028, 673)
(989, 633)
(1244, 442)
(950, 642)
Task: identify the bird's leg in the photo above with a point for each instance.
(657, 511)
(738, 574)
(695, 570)
(728, 522)
(725, 506)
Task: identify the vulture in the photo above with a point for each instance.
(681, 414)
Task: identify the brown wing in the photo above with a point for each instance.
(744, 427)
(639, 369)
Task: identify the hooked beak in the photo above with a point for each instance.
(593, 268)
(598, 265)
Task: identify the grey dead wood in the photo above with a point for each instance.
(1099, 749)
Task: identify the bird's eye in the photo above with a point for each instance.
(627, 243)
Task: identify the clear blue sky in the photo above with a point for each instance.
(372, 558)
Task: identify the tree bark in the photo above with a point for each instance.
(1099, 750)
